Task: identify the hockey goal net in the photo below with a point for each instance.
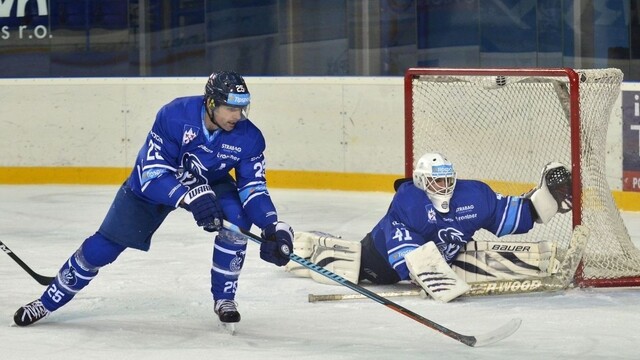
(503, 125)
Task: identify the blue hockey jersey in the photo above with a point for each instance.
(180, 152)
(412, 221)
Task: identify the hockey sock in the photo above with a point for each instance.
(228, 258)
(76, 273)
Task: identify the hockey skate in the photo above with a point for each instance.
(227, 313)
(30, 313)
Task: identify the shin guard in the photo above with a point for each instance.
(79, 270)
(228, 258)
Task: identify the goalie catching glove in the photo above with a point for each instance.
(553, 193)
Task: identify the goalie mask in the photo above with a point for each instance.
(434, 175)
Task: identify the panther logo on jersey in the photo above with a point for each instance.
(450, 241)
(191, 170)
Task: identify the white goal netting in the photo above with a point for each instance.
(503, 126)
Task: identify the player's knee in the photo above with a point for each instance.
(99, 251)
(230, 240)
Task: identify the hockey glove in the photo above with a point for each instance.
(277, 244)
(202, 203)
(558, 180)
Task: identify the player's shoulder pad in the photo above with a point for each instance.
(247, 127)
(408, 201)
(399, 182)
(473, 185)
(246, 136)
(181, 111)
(405, 185)
(473, 189)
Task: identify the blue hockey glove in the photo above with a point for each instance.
(202, 203)
(277, 244)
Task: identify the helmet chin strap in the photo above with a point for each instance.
(212, 117)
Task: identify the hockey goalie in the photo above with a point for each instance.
(426, 235)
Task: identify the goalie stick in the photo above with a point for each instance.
(491, 337)
(337, 297)
(558, 281)
(41, 279)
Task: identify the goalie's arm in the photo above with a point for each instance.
(401, 239)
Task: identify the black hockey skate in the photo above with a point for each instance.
(30, 313)
(227, 311)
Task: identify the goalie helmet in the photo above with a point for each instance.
(227, 88)
(434, 175)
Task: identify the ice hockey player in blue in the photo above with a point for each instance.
(428, 223)
(185, 162)
(428, 209)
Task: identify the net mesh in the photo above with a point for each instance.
(503, 129)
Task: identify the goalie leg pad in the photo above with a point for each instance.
(337, 255)
(428, 269)
(303, 247)
(500, 260)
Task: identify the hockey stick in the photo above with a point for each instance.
(559, 281)
(469, 340)
(337, 297)
(483, 288)
(41, 279)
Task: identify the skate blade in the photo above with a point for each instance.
(229, 327)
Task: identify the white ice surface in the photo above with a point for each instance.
(157, 305)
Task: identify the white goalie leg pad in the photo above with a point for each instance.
(428, 269)
(303, 247)
(500, 260)
(341, 257)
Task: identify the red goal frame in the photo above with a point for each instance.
(574, 107)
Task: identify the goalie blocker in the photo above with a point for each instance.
(478, 262)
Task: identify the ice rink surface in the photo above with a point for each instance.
(157, 305)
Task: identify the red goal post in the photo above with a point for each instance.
(503, 125)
